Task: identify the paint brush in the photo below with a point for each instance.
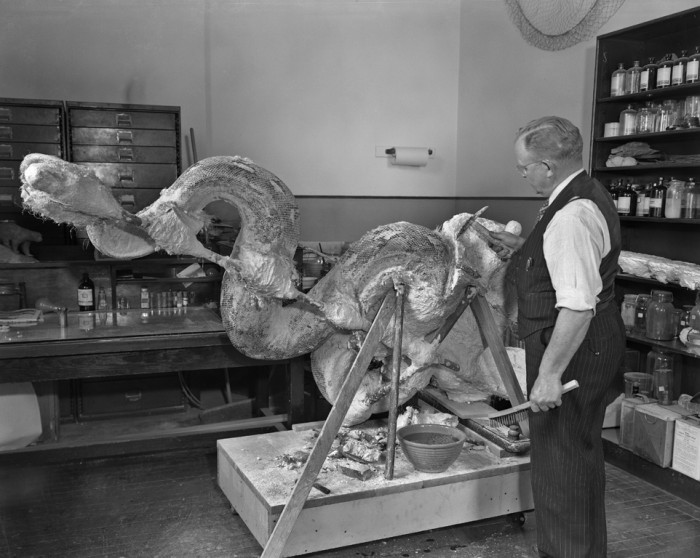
(518, 413)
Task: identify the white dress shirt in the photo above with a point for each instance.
(575, 242)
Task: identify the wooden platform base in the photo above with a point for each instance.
(253, 476)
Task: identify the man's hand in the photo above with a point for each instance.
(546, 394)
(505, 244)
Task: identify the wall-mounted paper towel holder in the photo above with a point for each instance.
(392, 151)
(385, 151)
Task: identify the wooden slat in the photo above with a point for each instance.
(395, 379)
(285, 524)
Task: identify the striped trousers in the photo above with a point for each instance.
(568, 466)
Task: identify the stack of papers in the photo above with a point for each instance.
(23, 316)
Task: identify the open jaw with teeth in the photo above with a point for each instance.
(265, 315)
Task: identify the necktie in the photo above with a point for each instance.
(541, 211)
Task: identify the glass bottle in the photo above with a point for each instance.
(617, 83)
(647, 198)
(641, 193)
(627, 200)
(628, 121)
(86, 294)
(628, 310)
(663, 378)
(693, 69)
(657, 199)
(101, 299)
(645, 120)
(674, 199)
(647, 78)
(614, 192)
(145, 297)
(692, 200)
(664, 118)
(663, 72)
(632, 78)
(640, 320)
(660, 316)
(679, 69)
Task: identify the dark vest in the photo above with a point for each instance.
(536, 296)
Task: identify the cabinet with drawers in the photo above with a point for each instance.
(134, 149)
(28, 126)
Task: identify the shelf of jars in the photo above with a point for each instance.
(677, 132)
(651, 282)
(660, 220)
(655, 94)
(674, 346)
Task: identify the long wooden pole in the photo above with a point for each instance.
(395, 378)
(290, 513)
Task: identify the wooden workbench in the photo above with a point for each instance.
(127, 343)
(478, 485)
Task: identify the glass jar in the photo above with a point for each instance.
(665, 118)
(627, 311)
(633, 76)
(675, 199)
(692, 73)
(660, 316)
(617, 82)
(645, 120)
(628, 121)
(640, 319)
(647, 80)
(663, 378)
(692, 200)
(663, 72)
(657, 199)
(679, 69)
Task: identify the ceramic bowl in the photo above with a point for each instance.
(431, 448)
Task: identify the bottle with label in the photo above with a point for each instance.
(617, 83)
(679, 69)
(692, 200)
(641, 193)
(657, 199)
(145, 298)
(632, 78)
(693, 70)
(647, 77)
(628, 121)
(674, 199)
(102, 306)
(627, 201)
(614, 192)
(86, 294)
(663, 72)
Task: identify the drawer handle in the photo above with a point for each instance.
(7, 173)
(125, 136)
(133, 397)
(5, 133)
(126, 175)
(123, 120)
(6, 151)
(5, 114)
(126, 154)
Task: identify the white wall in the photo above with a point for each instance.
(505, 83)
(306, 88)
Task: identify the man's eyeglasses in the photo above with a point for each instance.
(522, 169)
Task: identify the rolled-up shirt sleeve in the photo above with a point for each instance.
(575, 242)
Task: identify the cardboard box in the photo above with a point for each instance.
(686, 447)
(627, 407)
(653, 430)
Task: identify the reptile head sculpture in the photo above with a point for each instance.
(265, 315)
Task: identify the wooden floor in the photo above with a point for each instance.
(169, 505)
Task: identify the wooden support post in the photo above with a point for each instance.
(395, 376)
(492, 339)
(290, 513)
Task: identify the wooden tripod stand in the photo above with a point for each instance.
(482, 313)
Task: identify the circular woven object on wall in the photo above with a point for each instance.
(559, 24)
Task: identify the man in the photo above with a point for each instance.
(572, 329)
